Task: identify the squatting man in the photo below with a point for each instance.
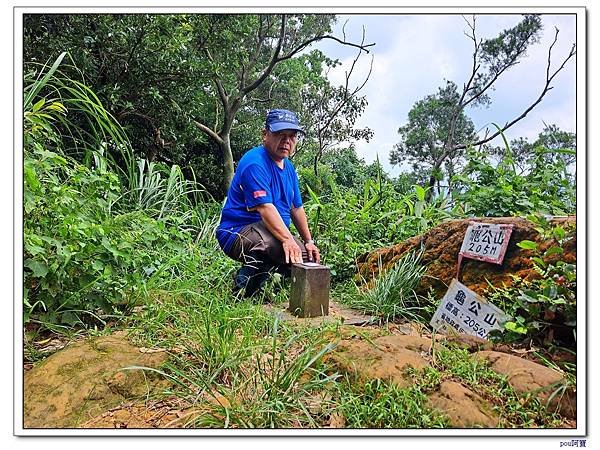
(262, 200)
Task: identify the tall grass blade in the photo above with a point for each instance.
(33, 89)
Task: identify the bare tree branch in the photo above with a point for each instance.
(450, 147)
(460, 105)
(329, 114)
(121, 115)
(217, 115)
(274, 60)
(141, 34)
(269, 97)
(217, 81)
(344, 30)
(320, 38)
(475, 66)
(497, 74)
(545, 90)
(347, 94)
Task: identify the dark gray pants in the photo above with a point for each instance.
(256, 238)
(260, 254)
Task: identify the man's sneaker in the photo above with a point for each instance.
(250, 279)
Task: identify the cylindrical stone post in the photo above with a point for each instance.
(309, 296)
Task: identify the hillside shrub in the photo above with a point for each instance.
(488, 190)
(84, 254)
(543, 309)
(79, 257)
(347, 225)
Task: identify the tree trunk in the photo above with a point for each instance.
(227, 155)
(431, 184)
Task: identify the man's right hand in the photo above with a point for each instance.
(293, 253)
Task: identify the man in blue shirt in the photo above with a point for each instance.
(262, 200)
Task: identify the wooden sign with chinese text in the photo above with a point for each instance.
(486, 242)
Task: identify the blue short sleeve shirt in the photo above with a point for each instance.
(256, 181)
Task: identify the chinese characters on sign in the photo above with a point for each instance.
(486, 242)
(466, 312)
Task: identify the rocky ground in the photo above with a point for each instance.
(85, 379)
(96, 382)
(388, 357)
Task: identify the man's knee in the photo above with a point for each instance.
(255, 241)
(248, 242)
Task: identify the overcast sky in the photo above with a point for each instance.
(415, 54)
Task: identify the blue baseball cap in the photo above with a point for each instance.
(282, 119)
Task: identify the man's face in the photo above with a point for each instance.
(280, 144)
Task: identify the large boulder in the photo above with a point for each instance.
(442, 243)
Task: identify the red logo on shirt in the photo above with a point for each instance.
(259, 194)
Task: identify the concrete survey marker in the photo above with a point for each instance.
(309, 295)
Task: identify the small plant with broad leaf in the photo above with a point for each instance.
(545, 307)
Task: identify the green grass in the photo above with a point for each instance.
(392, 295)
(377, 404)
(230, 347)
(278, 387)
(240, 367)
(236, 366)
(514, 410)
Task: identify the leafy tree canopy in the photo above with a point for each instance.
(193, 89)
(428, 129)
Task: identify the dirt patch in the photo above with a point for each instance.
(85, 379)
(367, 356)
(384, 358)
(442, 244)
(465, 408)
(528, 377)
(170, 413)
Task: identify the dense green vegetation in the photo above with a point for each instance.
(122, 196)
